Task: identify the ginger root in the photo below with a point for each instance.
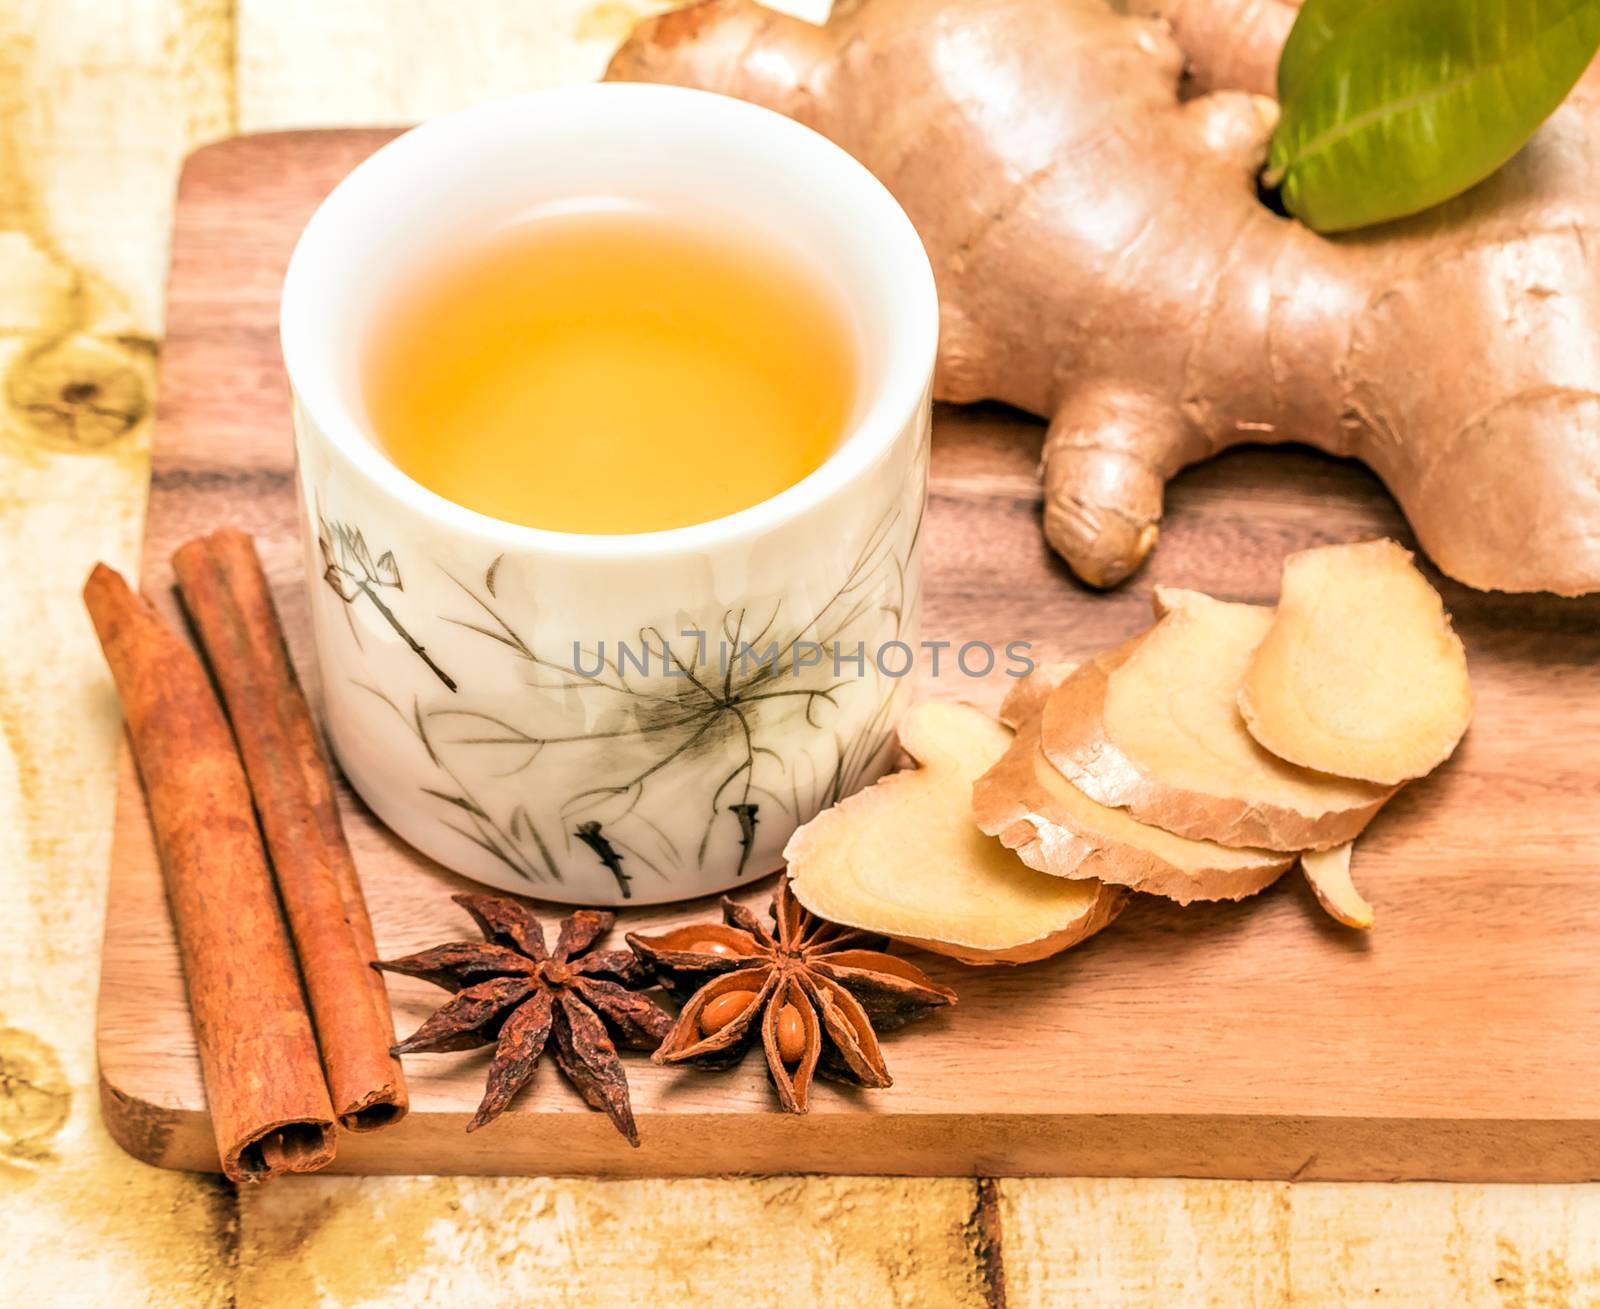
(1328, 874)
(1359, 673)
(1154, 727)
(905, 859)
(1103, 260)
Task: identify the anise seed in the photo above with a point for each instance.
(791, 1035)
(820, 988)
(522, 997)
(723, 1010)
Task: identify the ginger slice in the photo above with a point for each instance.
(1027, 698)
(1154, 727)
(1328, 874)
(1360, 673)
(905, 858)
(1054, 827)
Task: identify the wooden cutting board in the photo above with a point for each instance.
(1459, 1040)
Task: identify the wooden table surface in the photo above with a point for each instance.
(99, 100)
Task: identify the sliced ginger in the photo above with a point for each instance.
(1139, 769)
(1027, 698)
(1154, 727)
(905, 858)
(1360, 673)
(1328, 874)
(1057, 829)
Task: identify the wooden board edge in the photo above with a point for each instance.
(217, 159)
(933, 1145)
(157, 1134)
(945, 1145)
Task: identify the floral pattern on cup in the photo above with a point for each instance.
(666, 723)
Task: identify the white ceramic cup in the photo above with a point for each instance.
(461, 656)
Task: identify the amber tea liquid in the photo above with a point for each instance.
(610, 368)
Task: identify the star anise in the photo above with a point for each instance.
(514, 993)
(813, 990)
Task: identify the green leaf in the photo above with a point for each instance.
(1396, 106)
(1314, 26)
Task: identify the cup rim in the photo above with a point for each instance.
(898, 391)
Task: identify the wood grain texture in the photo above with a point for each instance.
(514, 1242)
(371, 73)
(1270, 1245)
(98, 104)
(312, 63)
(1249, 1040)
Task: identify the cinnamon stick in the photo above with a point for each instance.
(269, 1104)
(225, 590)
